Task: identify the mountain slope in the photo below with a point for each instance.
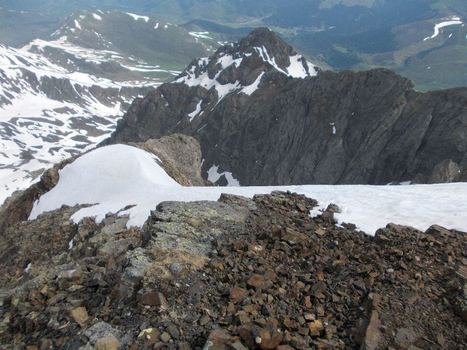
(61, 96)
(343, 34)
(365, 127)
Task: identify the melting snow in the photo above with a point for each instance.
(253, 87)
(297, 69)
(205, 81)
(227, 60)
(200, 35)
(452, 21)
(28, 268)
(214, 175)
(50, 128)
(197, 74)
(200, 77)
(97, 17)
(117, 176)
(138, 17)
(196, 111)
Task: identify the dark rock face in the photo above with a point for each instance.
(18, 207)
(348, 127)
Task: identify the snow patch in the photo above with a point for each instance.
(297, 67)
(110, 177)
(248, 90)
(28, 268)
(451, 22)
(214, 175)
(196, 111)
(138, 17)
(197, 73)
(227, 60)
(77, 25)
(203, 79)
(201, 35)
(97, 17)
(113, 177)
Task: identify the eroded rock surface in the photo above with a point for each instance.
(180, 155)
(233, 274)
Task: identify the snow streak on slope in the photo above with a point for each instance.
(452, 21)
(138, 17)
(117, 176)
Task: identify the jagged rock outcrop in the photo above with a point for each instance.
(180, 156)
(238, 273)
(19, 205)
(446, 171)
(258, 121)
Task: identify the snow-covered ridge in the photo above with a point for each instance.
(454, 20)
(113, 177)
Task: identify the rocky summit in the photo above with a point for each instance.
(265, 115)
(238, 273)
(150, 205)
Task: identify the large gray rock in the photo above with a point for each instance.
(446, 171)
(18, 206)
(180, 156)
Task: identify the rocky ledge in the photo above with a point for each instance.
(238, 274)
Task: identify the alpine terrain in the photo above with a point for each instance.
(110, 259)
(61, 96)
(265, 116)
(175, 175)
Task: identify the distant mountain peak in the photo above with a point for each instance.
(241, 66)
(265, 37)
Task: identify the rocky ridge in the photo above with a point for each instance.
(232, 274)
(255, 121)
